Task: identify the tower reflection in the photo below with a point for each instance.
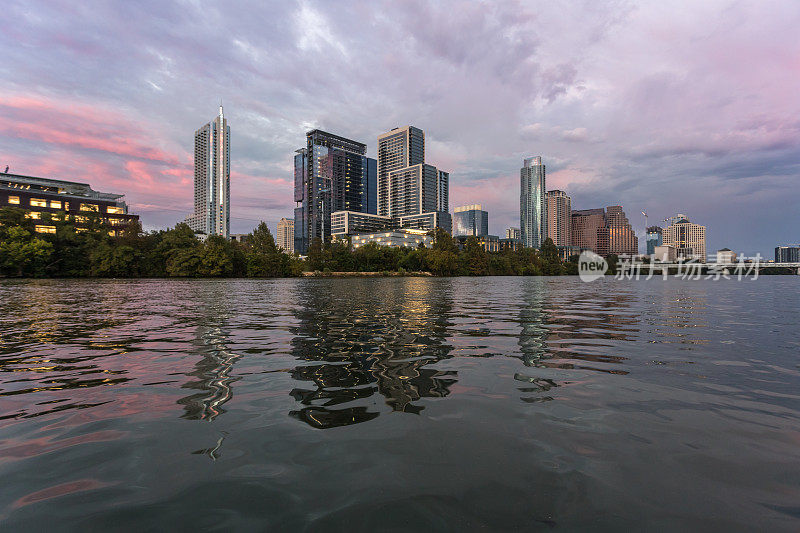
(355, 344)
(213, 380)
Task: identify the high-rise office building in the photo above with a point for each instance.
(443, 192)
(406, 184)
(689, 239)
(413, 190)
(604, 231)
(559, 217)
(513, 234)
(589, 230)
(331, 173)
(212, 178)
(286, 235)
(470, 220)
(397, 149)
(532, 206)
(655, 237)
(622, 239)
(787, 254)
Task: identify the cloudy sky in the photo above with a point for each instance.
(667, 107)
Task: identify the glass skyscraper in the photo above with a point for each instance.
(470, 220)
(532, 206)
(331, 173)
(655, 237)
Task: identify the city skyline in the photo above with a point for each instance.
(638, 135)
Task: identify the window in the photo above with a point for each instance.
(38, 202)
(90, 207)
(81, 219)
(113, 210)
(13, 200)
(45, 229)
(116, 221)
(34, 215)
(55, 204)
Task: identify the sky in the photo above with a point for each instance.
(663, 107)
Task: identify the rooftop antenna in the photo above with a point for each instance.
(6, 169)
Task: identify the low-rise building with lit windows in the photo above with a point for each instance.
(402, 237)
(59, 198)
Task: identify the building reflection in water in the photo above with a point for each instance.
(571, 330)
(213, 380)
(355, 345)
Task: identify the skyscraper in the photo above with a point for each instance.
(212, 178)
(406, 184)
(470, 220)
(622, 239)
(688, 239)
(286, 235)
(397, 149)
(532, 206)
(331, 173)
(559, 217)
(604, 231)
(654, 238)
(443, 192)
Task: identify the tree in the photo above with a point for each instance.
(216, 258)
(476, 258)
(551, 262)
(315, 259)
(22, 255)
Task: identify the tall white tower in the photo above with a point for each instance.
(532, 205)
(212, 178)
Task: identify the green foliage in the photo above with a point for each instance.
(22, 254)
(177, 252)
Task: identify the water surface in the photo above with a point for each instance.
(377, 404)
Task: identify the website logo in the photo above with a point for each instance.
(591, 266)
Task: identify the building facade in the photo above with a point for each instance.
(559, 217)
(532, 205)
(689, 239)
(726, 256)
(404, 237)
(397, 149)
(787, 254)
(212, 179)
(413, 190)
(470, 220)
(286, 235)
(46, 200)
(605, 231)
(332, 173)
(589, 230)
(622, 239)
(655, 237)
(514, 234)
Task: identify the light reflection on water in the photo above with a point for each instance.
(525, 390)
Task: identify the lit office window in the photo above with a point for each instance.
(90, 207)
(37, 202)
(55, 204)
(113, 210)
(45, 229)
(13, 200)
(34, 215)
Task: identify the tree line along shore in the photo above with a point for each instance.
(89, 251)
